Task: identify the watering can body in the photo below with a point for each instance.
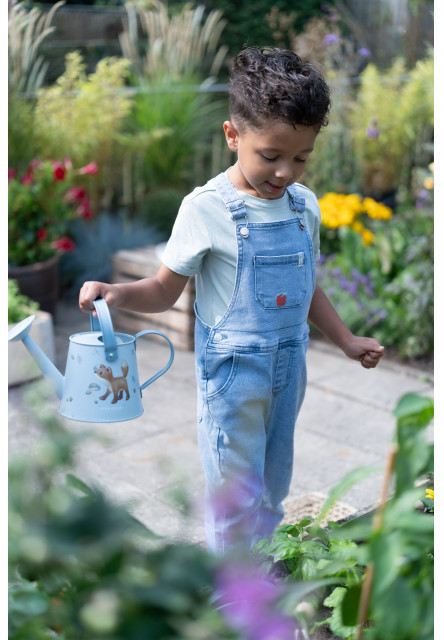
(101, 382)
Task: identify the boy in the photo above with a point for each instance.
(251, 238)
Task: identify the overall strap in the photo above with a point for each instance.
(297, 203)
(234, 204)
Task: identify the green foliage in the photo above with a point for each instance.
(81, 566)
(385, 289)
(23, 144)
(175, 114)
(399, 107)
(27, 29)
(399, 549)
(19, 306)
(253, 28)
(80, 115)
(185, 119)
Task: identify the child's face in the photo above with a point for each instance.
(269, 160)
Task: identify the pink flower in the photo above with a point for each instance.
(11, 173)
(27, 179)
(90, 168)
(63, 244)
(84, 210)
(58, 171)
(75, 194)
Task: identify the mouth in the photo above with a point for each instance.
(274, 188)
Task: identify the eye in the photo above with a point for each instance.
(268, 159)
(300, 160)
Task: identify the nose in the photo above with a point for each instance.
(284, 171)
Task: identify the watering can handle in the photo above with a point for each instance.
(104, 324)
(170, 361)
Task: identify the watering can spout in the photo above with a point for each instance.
(21, 332)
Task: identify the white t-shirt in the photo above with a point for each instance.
(203, 242)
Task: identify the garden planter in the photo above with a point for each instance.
(21, 366)
(39, 281)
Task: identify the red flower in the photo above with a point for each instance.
(91, 168)
(75, 193)
(27, 179)
(41, 234)
(64, 244)
(11, 173)
(58, 171)
(84, 210)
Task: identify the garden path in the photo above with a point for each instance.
(346, 422)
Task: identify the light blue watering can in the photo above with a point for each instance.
(101, 382)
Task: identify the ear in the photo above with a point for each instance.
(231, 135)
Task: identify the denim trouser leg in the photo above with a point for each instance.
(246, 443)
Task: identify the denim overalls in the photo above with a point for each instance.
(251, 375)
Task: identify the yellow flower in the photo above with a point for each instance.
(432, 167)
(377, 210)
(358, 226)
(339, 210)
(429, 183)
(367, 237)
(430, 494)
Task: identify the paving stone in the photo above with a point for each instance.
(345, 422)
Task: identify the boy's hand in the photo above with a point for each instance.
(367, 350)
(92, 291)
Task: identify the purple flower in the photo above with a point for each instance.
(247, 598)
(331, 38)
(353, 288)
(322, 259)
(365, 53)
(423, 194)
(343, 283)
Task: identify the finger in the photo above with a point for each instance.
(368, 361)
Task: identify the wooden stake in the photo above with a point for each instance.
(377, 524)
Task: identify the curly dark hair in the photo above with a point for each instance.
(270, 83)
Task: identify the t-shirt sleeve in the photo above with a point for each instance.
(189, 241)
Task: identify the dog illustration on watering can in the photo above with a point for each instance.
(116, 385)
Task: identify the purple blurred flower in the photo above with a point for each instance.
(247, 598)
(322, 259)
(372, 131)
(331, 38)
(343, 283)
(353, 288)
(331, 292)
(419, 204)
(383, 314)
(365, 53)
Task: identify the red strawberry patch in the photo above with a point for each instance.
(281, 299)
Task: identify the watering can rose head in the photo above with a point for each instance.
(41, 205)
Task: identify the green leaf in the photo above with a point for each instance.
(350, 605)
(412, 405)
(75, 483)
(352, 478)
(398, 611)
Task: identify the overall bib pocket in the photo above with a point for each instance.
(280, 281)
